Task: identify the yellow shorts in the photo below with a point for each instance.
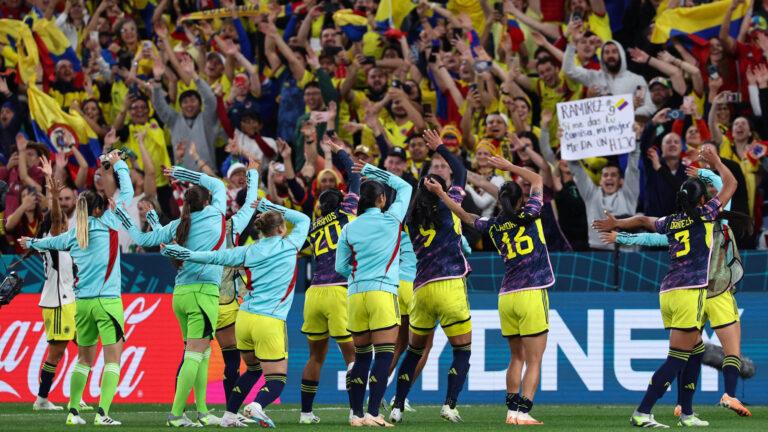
(227, 314)
(267, 337)
(60, 322)
(524, 313)
(405, 296)
(371, 311)
(721, 310)
(325, 313)
(683, 309)
(443, 301)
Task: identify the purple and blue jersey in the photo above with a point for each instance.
(438, 248)
(323, 239)
(520, 242)
(690, 246)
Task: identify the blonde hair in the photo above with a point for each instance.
(81, 219)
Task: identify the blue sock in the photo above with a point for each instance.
(405, 375)
(731, 371)
(308, 392)
(272, 388)
(687, 379)
(242, 387)
(457, 374)
(231, 369)
(379, 376)
(662, 378)
(524, 405)
(513, 400)
(358, 377)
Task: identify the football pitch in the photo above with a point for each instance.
(20, 417)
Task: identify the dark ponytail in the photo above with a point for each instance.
(689, 197)
(510, 194)
(425, 206)
(330, 201)
(195, 199)
(370, 191)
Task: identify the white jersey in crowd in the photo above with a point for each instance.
(251, 146)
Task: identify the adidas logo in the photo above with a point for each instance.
(236, 390)
(404, 377)
(691, 386)
(372, 380)
(452, 371)
(667, 384)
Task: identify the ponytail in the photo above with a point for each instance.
(689, 196)
(425, 210)
(509, 195)
(195, 199)
(81, 219)
(268, 222)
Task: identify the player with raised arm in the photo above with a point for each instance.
(93, 246)
(367, 255)
(518, 235)
(682, 296)
(201, 227)
(260, 328)
(440, 293)
(325, 304)
(720, 309)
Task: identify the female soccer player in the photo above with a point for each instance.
(260, 326)
(683, 289)
(720, 308)
(58, 296)
(518, 235)
(325, 303)
(439, 288)
(367, 255)
(93, 245)
(196, 293)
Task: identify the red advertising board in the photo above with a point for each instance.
(151, 356)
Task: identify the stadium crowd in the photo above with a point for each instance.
(238, 82)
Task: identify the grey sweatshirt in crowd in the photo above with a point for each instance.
(622, 202)
(201, 130)
(624, 82)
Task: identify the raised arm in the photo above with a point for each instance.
(631, 188)
(234, 257)
(61, 242)
(403, 198)
(243, 216)
(536, 181)
(434, 187)
(214, 185)
(729, 181)
(435, 143)
(158, 235)
(299, 220)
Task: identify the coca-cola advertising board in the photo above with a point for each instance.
(151, 355)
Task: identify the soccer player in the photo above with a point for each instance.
(720, 308)
(196, 293)
(260, 325)
(367, 255)
(518, 235)
(439, 288)
(57, 298)
(683, 289)
(404, 300)
(325, 304)
(92, 243)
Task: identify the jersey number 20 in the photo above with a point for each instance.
(325, 232)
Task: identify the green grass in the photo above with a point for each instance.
(591, 418)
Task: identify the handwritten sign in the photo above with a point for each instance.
(600, 126)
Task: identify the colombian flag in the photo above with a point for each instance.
(20, 39)
(391, 14)
(352, 24)
(515, 32)
(697, 24)
(53, 46)
(60, 130)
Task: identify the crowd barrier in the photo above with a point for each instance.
(603, 346)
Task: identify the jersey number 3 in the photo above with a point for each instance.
(684, 237)
(325, 233)
(523, 244)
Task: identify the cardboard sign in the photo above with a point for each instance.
(601, 126)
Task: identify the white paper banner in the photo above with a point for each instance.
(599, 126)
